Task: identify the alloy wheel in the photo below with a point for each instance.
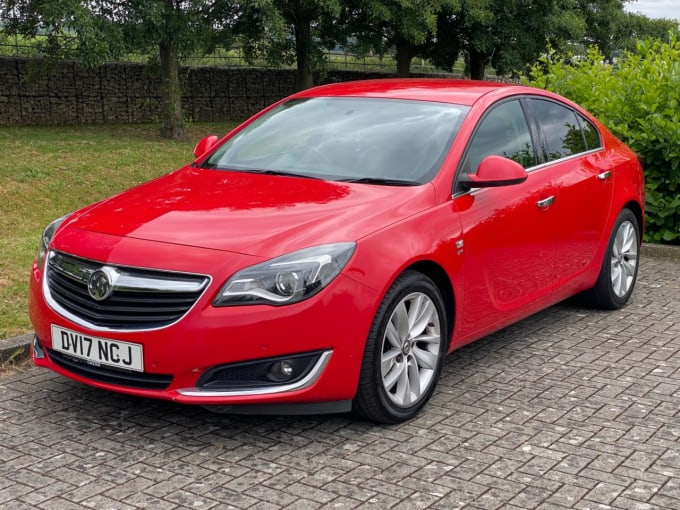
(624, 258)
(410, 349)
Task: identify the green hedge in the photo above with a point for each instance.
(638, 99)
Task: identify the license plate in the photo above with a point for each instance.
(98, 351)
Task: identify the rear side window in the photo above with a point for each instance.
(590, 133)
(562, 135)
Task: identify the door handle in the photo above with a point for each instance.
(604, 175)
(546, 202)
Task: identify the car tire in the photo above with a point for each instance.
(619, 269)
(404, 351)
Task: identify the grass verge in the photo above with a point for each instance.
(46, 172)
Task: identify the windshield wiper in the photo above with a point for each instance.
(281, 172)
(264, 171)
(385, 181)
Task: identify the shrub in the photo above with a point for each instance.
(638, 99)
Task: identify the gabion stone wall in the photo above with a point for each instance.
(35, 92)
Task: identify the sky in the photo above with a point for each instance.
(655, 8)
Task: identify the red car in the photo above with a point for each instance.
(328, 253)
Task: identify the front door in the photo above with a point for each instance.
(508, 232)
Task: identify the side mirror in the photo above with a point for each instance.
(204, 145)
(495, 171)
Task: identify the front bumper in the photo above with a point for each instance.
(333, 323)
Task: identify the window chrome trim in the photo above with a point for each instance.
(131, 284)
(302, 384)
(565, 158)
(535, 168)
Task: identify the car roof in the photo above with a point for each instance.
(464, 92)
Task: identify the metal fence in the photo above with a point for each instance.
(15, 46)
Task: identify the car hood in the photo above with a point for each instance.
(254, 214)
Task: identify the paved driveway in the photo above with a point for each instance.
(568, 409)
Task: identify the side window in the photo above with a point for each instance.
(562, 135)
(502, 132)
(590, 133)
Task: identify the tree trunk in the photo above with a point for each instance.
(477, 65)
(171, 101)
(303, 50)
(404, 57)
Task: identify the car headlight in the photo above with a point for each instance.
(286, 279)
(46, 238)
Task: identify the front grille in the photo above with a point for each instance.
(110, 375)
(140, 299)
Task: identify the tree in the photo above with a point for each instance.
(289, 31)
(505, 34)
(631, 28)
(601, 18)
(96, 31)
(408, 27)
(509, 34)
(173, 28)
(70, 29)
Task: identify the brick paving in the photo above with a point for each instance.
(570, 408)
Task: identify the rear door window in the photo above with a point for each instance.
(590, 133)
(562, 135)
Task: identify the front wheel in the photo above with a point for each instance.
(404, 351)
(620, 265)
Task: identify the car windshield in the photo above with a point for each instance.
(382, 141)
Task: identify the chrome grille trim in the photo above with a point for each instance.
(142, 300)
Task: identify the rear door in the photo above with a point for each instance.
(584, 184)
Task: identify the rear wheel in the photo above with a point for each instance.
(404, 351)
(620, 265)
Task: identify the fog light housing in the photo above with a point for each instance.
(260, 373)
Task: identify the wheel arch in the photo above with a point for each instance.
(636, 209)
(438, 275)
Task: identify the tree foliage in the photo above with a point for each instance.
(601, 19)
(630, 28)
(639, 101)
(408, 27)
(70, 29)
(508, 34)
(289, 31)
(492, 32)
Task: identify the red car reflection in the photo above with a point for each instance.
(328, 253)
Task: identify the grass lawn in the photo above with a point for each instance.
(47, 172)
